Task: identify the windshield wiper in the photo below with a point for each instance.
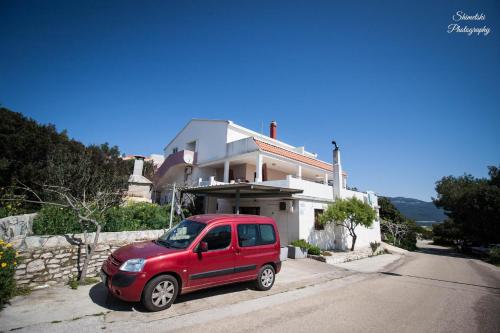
(164, 243)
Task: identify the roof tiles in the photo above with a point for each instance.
(293, 155)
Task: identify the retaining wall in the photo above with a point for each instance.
(48, 260)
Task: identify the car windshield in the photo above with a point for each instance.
(183, 234)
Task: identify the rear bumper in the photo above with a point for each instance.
(278, 266)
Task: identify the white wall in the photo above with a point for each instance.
(234, 135)
(210, 136)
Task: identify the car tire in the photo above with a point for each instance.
(160, 293)
(265, 278)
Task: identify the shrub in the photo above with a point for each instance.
(374, 246)
(8, 262)
(138, 216)
(314, 250)
(300, 243)
(494, 256)
(53, 220)
(311, 249)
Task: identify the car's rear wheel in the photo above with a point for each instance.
(160, 293)
(265, 279)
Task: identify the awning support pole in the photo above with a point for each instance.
(172, 203)
(237, 201)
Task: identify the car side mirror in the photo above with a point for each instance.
(202, 247)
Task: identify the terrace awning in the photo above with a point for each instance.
(243, 190)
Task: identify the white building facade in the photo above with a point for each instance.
(276, 179)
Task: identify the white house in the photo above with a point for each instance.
(238, 170)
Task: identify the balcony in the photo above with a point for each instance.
(310, 189)
(183, 157)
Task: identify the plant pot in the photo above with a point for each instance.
(284, 253)
(296, 252)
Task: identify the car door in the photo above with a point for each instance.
(215, 266)
(255, 246)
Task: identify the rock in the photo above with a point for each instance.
(102, 247)
(46, 255)
(35, 266)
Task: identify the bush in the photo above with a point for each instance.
(8, 262)
(300, 243)
(374, 246)
(311, 249)
(53, 220)
(494, 256)
(138, 216)
(314, 250)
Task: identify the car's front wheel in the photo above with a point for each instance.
(265, 279)
(160, 293)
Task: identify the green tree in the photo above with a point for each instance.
(396, 228)
(349, 213)
(37, 155)
(472, 205)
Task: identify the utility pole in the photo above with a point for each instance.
(172, 203)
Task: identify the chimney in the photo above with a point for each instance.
(272, 129)
(337, 172)
(138, 165)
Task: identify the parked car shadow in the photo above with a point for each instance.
(100, 295)
(221, 290)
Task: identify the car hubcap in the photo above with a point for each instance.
(163, 293)
(267, 277)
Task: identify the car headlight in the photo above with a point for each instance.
(133, 265)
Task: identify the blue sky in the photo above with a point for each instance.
(407, 102)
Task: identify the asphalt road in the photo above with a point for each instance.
(431, 291)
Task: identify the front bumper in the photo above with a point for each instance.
(126, 286)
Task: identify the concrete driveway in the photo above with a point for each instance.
(53, 309)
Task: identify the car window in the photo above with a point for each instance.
(218, 238)
(255, 234)
(247, 235)
(182, 234)
(267, 235)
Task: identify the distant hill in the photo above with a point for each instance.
(418, 210)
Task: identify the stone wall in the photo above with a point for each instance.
(19, 226)
(48, 260)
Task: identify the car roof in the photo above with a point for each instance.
(212, 218)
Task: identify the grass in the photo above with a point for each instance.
(74, 282)
(22, 291)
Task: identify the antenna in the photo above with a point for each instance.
(262, 127)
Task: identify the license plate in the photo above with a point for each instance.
(104, 278)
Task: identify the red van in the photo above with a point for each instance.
(200, 252)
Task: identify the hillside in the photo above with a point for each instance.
(418, 210)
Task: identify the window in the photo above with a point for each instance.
(191, 146)
(247, 235)
(218, 238)
(317, 224)
(175, 150)
(181, 235)
(248, 210)
(255, 234)
(267, 235)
